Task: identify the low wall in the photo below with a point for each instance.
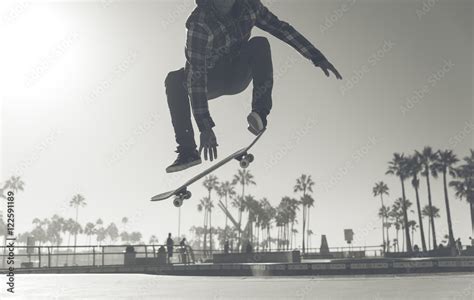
(334, 267)
(261, 257)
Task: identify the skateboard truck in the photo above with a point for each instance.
(245, 160)
(181, 196)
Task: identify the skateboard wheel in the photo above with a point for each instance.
(178, 202)
(244, 163)
(187, 195)
(250, 158)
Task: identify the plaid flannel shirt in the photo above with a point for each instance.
(211, 38)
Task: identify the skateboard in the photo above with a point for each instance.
(182, 193)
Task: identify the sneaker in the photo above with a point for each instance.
(256, 123)
(185, 160)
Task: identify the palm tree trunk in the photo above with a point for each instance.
(433, 231)
(269, 239)
(304, 219)
(398, 239)
(225, 230)
(429, 234)
(210, 224)
(239, 242)
(210, 230)
(307, 226)
(75, 238)
(420, 218)
(304, 227)
(388, 240)
(405, 217)
(448, 212)
(383, 222)
(205, 232)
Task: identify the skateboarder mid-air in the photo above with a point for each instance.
(222, 59)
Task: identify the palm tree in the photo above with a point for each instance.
(251, 206)
(76, 202)
(268, 214)
(226, 190)
(100, 231)
(412, 225)
(15, 183)
(305, 185)
(445, 164)
(124, 223)
(112, 232)
(310, 233)
(201, 207)
(153, 240)
(381, 189)
(398, 167)
(244, 178)
(427, 158)
(414, 168)
(210, 183)
(89, 230)
(135, 237)
(287, 216)
(125, 237)
(384, 214)
(431, 212)
(209, 207)
(464, 187)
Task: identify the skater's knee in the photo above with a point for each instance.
(175, 79)
(260, 42)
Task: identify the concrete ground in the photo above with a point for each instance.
(107, 286)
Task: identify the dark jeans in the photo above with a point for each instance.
(229, 77)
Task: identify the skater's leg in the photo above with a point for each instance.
(178, 103)
(259, 57)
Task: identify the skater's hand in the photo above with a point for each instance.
(208, 144)
(326, 66)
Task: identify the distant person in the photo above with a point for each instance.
(182, 244)
(416, 249)
(459, 246)
(226, 247)
(249, 248)
(169, 247)
(182, 249)
(222, 59)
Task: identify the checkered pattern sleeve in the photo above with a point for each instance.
(267, 21)
(197, 45)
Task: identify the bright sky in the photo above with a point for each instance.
(84, 109)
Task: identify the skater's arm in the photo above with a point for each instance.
(267, 21)
(196, 46)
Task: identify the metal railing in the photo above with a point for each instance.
(69, 256)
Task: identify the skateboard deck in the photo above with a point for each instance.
(182, 193)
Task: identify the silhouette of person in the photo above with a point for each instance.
(169, 247)
(226, 247)
(222, 59)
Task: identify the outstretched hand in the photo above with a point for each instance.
(326, 66)
(208, 144)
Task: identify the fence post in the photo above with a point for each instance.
(146, 251)
(39, 257)
(93, 256)
(154, 251)
(49, 257)
(103, 252)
